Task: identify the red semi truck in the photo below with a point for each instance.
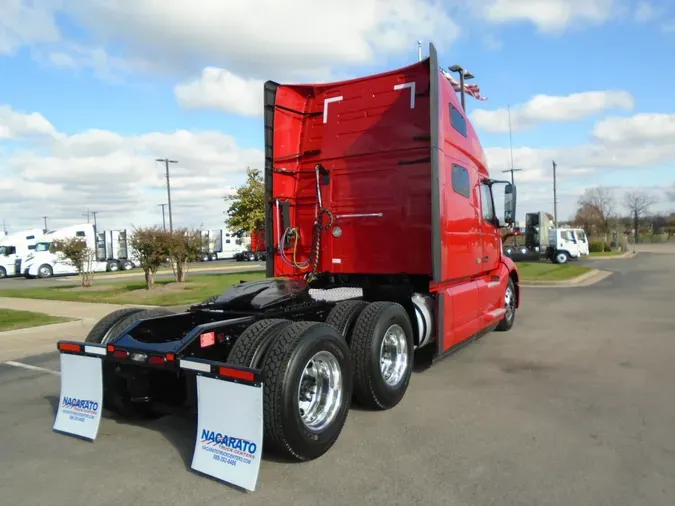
(382, 239)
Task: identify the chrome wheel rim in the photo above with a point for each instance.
(509, 302)
(394, 355)
(320, 391)
(44, 271)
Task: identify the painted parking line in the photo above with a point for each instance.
(31, 367)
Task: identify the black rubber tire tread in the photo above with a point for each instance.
(344, 315)
(365, 391)
(246, 348)
(98, 332)
(505, 325)
(276, 373)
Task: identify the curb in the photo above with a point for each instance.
(623, 256)
(224, 268)
(589, 278)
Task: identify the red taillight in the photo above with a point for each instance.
(110, 348)
(157, 360)
(170, 357)
(228, 372)
(70, 347)
(120, 353)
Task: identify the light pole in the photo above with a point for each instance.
(168, 188)
(464, 75)
(45, 218)
(163, 217)
(555, 196)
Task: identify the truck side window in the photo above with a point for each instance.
(458, 120)
(80, 234)
(460, 181)
(486, 203)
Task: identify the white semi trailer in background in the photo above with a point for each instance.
(43, 263)
(114, 248)
(221, 244)
(13, 247)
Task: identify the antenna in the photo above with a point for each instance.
(511, 170)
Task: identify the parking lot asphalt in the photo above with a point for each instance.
(572, 407)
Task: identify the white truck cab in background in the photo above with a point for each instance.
(582, 241)
(562, 245)
(13, 247)
(42, 263)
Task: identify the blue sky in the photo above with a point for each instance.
(111, 88)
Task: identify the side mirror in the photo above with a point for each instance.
(510, 203)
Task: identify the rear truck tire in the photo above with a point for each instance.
(382, 355)
(308, 386)
(343, 316)
(249, 350)
(127, 265)
(45, 271)
(116, 387)
(113, 266)
(101, 332)
(3, 272)
(510, 305)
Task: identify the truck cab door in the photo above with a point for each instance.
(491, 291)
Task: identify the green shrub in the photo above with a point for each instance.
(596, 246)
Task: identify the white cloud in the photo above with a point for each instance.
(17, 125)
(61, 175)
(548, 108)
(220, 89)
(644, 128)
(546, 15)
(23, 23)
(644, 11)
(260, 38)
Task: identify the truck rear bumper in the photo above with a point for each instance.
(229, 436)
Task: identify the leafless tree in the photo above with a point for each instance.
(638, 203)
(599, 201)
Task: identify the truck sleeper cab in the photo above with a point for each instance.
(381, 239)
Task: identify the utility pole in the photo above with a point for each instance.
(555, 196)
(94, 213)
(512, 170)
(45, 218)
(168, 188)
(419, 50)
(163, 217)
(4, 226)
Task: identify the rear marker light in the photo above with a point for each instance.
(207, 339)
(170, 357)
(70, 347)
(111, 348)
(228, 372)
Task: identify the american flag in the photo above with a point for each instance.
(470, 89)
